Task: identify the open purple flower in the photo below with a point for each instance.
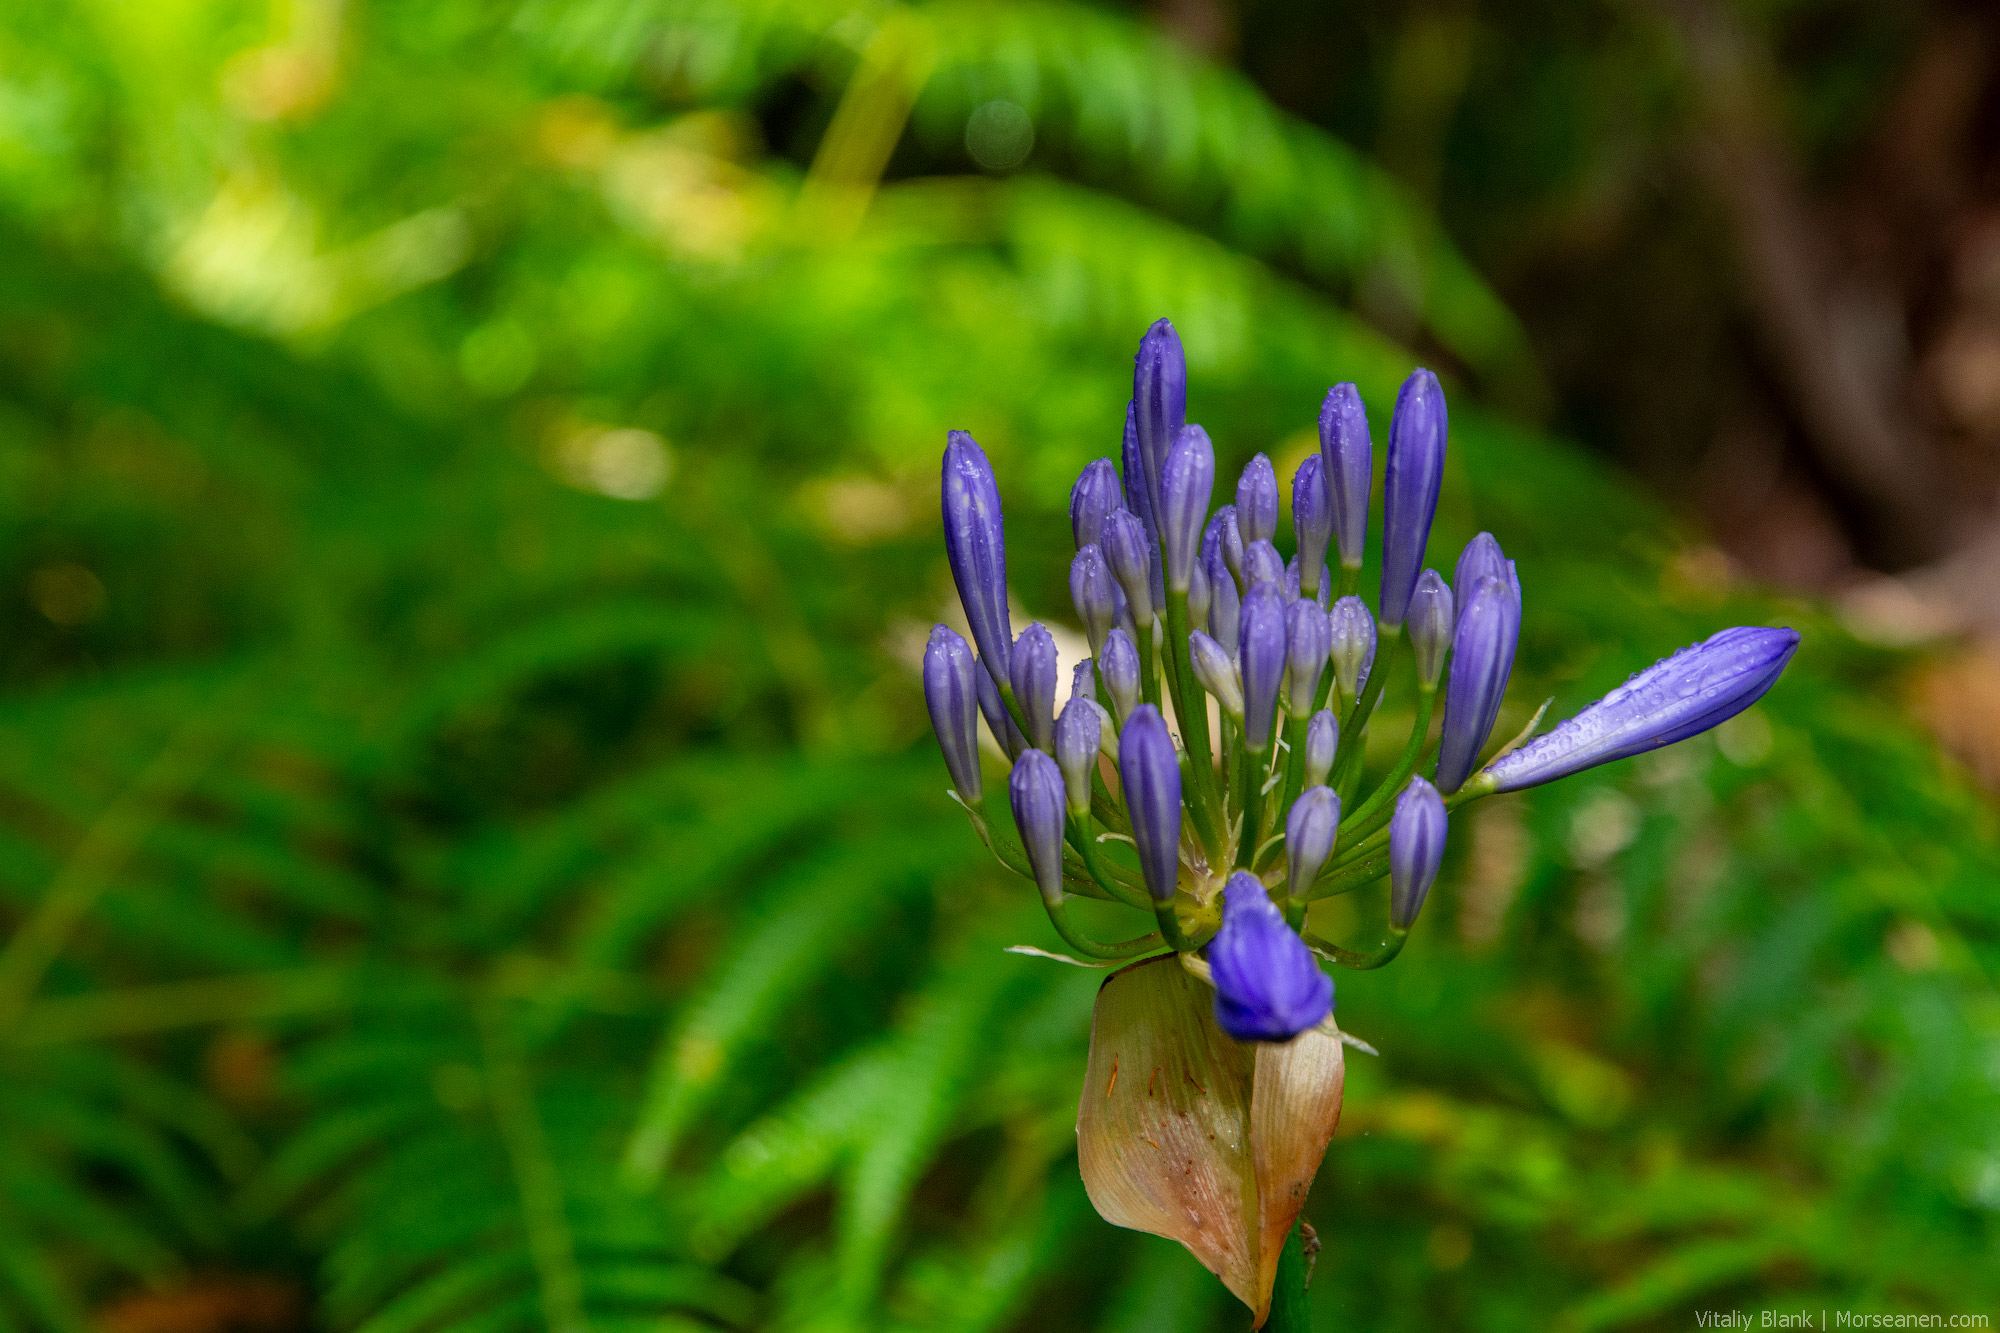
(1268, 986)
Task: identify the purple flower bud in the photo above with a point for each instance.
(1143, 501)
(1150, 774)
(1128, 551)
(1482, 556)
(1215, 669)
(1430, 626)
(1268, 987)
(1410, 489)
(1198, 596)
(1312, 525)
(1185, 486)
(1348, 462)
(998, 720)
(1224, 538)
(975, 543)
(1257, 501)
(1416, 849)
(1091, 501)
(1224, 602)
(1322, 595)
(1482, 657)
(1159, 400)
(1308, 640)
(1079, 731)
(1035, 792)
(1263, 564)
(1353, 644)
(952, 695)
(1310, 831)
(1260, 653)
(1118, 668)
(1095, 594)
(1682, 696)
(1083, 680)
(1033, 668)
(1322, 743)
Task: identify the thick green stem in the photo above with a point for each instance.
(1290, 1311)
(1149, 664)
(1256, 765)
(1058, 910)
(1379, 956)
(1086, 847)
(1361, 873)
(1350, 579)
(1295, 761)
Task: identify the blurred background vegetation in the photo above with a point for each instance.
(474, 854)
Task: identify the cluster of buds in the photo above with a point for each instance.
(1240, 815)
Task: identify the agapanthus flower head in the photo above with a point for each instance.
(1416, 850)
(1260, 654)
(951, 693)
(1353, 651)
(1079, 732)
(998, 720)
(1185, 487)
(1129, 550)
(1225, 603)
(1035, 791)
(1033, 668)
(1263, 564)
(1094, 593)
(1430, 626)
(1347, 462)
(1322, 744)
(1096, 493)
(1215, 670)
(1268, 987)
(1417, 434)
(1686, 694)
(1310, 832)
(1482, 658)
(1118, 668)
(1308, 640)
(975, 545)
(1257, 501)
(1312, 525)
(1159, 399)
(1149, 774)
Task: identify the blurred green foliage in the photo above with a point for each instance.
(473, 844)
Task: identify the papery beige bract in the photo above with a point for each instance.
(1187, 1133)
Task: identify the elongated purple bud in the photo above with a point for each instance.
(1308, 640)
(1083, 680)
(1430, 626)
(1263, 564)
(1347, 460)
(1159, 400)
(1686, 694)
(1310, 831)
(1150, 775)
(1033, 668)
(1260, 654)
(1225, 604)
(1417, 436)
(1079, 731)
(1482, 657)
(1215, 669)
(1312, 526)
(1129, 553)
(951, 693)
(1096, 493)
(1228, 544)
(1118, 668)
(1481, 557)
(1322, 743)
(1198, 593)
(1268, 987)
(1257, 501)
(1416, 850)
(975, 543)
(1035, 792)
(1095, 595)
(1185, 487)
(1353, 651)
(998, 720)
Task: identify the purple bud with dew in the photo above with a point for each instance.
(1353, 644)
(1682, 696)
(1083, 680)
(1323, 596)
(1322, 743)
(1308, 640)
(1185, 487)
(975, 544)
(1215, 669)
(1263, 564)
(1430, 626)
(1129, 552)
(1260, 653)
(998, 720)
(1225, 604)
(1268, 986)
(1142, 500)
(1310, 831)
(1094, 593)
(1416, 849)
(1482, 657)
(1149, 773)
(1079, 731)
(1312, 526)
(1198, 595)
(1228, 543)
(1033, 668)
(1118, 668)
(1417, 434)
(1091, 501)
(1159, 399)
(951, 693)
(1347, 460)
(1257, 501)
(1481, 557)
(1035, 792)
